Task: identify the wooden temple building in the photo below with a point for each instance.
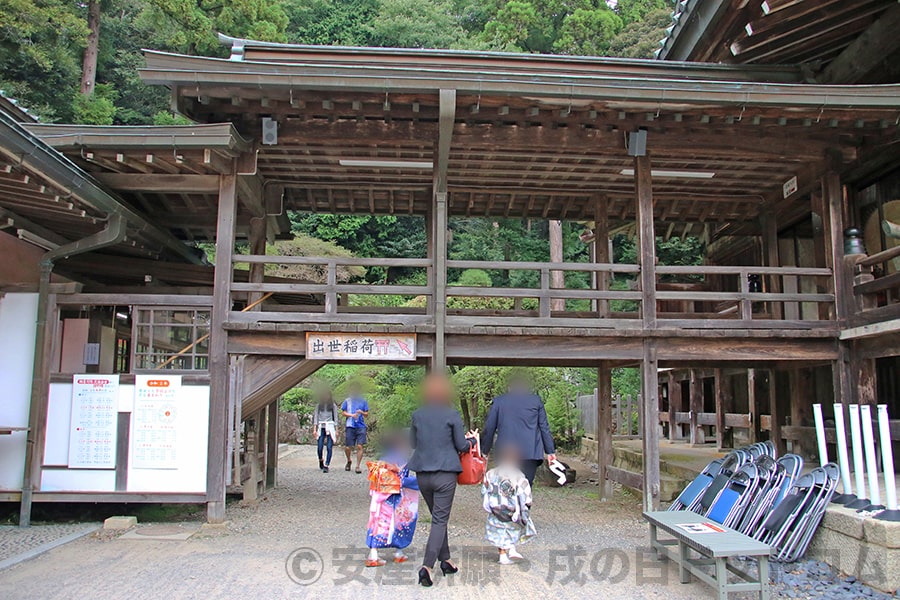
(769, 164)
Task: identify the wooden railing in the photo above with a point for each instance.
(329, 299)
(790, 297)
(780, 301)
(877, 298)
(529, 306)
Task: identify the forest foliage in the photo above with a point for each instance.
(42, 42)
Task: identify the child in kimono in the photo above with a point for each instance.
(394, 508)
(507, 500)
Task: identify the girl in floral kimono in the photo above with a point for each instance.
(394, 508)
(507, 500)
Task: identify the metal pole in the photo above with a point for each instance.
(820, 434)
(843, 457)
(859, 473)
(871, 461)
(887, 462)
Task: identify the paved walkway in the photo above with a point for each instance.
(306, 539)
(17, 543)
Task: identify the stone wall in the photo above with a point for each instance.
(863, 547)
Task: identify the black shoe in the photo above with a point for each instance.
(321, 464)
(347, 466)
(425, 578)
(325, 469)
(447, 568)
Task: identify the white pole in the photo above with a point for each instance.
(859, 472)
(887, 457)
(820, 434)
(843, 457)
(871, 462)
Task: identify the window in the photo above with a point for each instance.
(172, 339)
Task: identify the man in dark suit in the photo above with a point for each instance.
(518, 418)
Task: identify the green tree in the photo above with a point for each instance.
(640, 38)
(416, 24)
(327, 22)
(588, 32)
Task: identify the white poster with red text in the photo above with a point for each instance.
(93, 422)
(154, 425)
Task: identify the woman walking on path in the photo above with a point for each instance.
(437, 437)
(325, 418)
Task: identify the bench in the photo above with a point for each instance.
(715, 544)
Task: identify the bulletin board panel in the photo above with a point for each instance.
(18, 313)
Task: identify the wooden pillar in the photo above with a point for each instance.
(833, 198)
(646, 239)
(272, 445)
(447, 117)
(675, 407)
(650, 420)
(257, 272)
(601, 251)
(866, 381)
(772, 259)
(753, 403)
(45, 333)
(802, 394)
(696, 407)
(721, 408)
(251, 457)
(779, 405)
(219, 372)
(557, 277)
(843, 375)
(604, 427)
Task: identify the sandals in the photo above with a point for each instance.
(379, 562)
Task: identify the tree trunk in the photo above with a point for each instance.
(89, 65)
(557, 278)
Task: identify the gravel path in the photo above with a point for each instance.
(316, 523)
(15, 540)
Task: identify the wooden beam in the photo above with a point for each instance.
(646, 239)
(272, 446)
(675, 406)
(696, 407)
(601, 250)
(778, 408)
(277, 385)
(833, 197)
(650, 421)
(753, 402)
(218, 350)
(867, 52)
(442, 157)
(160, 183)
(604, 428)
(251, 194)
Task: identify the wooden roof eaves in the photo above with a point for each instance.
(28, 151)
(216, 136)
(178, 70)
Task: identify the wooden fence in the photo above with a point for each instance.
(626, 419)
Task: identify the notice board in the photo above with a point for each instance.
(93, 422)
(154, 432)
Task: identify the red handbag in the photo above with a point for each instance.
(473, 464)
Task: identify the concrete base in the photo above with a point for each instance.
(864, 547)
(116, 523)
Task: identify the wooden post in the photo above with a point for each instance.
(696, 407)
(833, 197)
(844, 372)
(272, 445)
(601, 251)
(675, 406)
(772, 259)
(257, 272)
(646, 239)
(604, 427)
(45, 333)
(557, 278)
(218, 351)
(251, 457)
(802, 393)
(650, 419)
(721, 408)
(777, 410)
(753, 402)
(865, 381)
(430, 230)
(447, 117)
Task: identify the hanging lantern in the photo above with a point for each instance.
(853, 241)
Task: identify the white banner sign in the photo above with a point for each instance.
(154, 422)
(93, 424)
(357, 346)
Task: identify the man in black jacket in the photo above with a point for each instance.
(518, 418)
